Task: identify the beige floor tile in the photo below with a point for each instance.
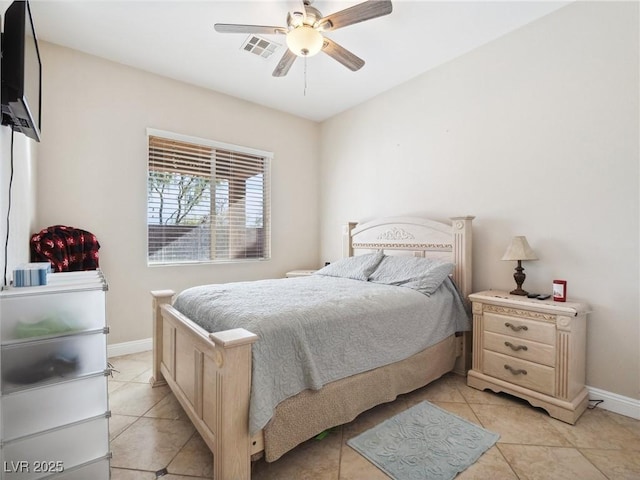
(194, 459)
(443, 390)
(136, 398)
(150, 443)
(118, 423)
(628, 422)
(312, 460)
(490, 465)
(373, 417)
(615, 464)
(519, 424)
(543, 463)
(113, 385)
(128, 367)
(596, 429)
(150, 431)
(169, 408)
(122, 474)
(179, 477)
(354, 466)
(144, 377)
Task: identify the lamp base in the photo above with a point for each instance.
(519, 291)
(519, 277)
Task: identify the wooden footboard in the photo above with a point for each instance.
(210, 375)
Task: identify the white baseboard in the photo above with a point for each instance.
(126, 348)
(629, 407)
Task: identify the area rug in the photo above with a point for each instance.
(424, 443)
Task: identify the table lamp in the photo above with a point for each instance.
(519, 250)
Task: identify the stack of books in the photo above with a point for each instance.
(31, 274)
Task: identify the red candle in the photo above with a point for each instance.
(560, 290)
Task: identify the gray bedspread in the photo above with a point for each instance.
(317, 329)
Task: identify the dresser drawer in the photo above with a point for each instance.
(521, 328)
(510, 369)
(63, 449)
(28, 316)
(34, 363)
(520, 348)
(66, 402)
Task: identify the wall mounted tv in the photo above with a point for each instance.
(21, 72)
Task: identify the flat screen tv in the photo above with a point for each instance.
(21, 72)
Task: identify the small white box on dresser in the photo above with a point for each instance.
(533, 349)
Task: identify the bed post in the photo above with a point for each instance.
(160, 298)
(232, 445)
(347, 247)
(461, 229)
(463, 276)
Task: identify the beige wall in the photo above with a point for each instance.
(92, 173)
(535, 134)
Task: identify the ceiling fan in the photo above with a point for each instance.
(304, 31)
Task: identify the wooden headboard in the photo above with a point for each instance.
(418, 237)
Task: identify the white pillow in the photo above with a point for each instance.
(356, 268)
(422, 274)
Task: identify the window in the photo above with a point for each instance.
(206, 201)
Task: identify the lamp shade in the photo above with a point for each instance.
(304, 41)
(519, 249)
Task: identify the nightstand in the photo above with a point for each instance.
(533, 349)
(300, 273)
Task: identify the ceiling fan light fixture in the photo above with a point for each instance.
(304, 41)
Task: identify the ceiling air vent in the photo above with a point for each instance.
(260, 46)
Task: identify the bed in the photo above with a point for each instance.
(210, 373)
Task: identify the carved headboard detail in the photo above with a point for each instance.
(419, 237)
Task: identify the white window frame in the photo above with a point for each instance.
(266, 199)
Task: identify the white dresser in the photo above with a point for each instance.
(54, 412)
(533, 349)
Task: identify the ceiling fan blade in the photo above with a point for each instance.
(237, 28)
(284, 64)
(342, 55)
(358, 13)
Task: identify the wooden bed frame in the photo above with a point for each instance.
(210, 373)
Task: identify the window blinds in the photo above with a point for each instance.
(206, 201)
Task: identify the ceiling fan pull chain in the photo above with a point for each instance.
(305, 77)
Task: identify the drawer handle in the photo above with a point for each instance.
(515, 348)
(515, 371)
(516, 328)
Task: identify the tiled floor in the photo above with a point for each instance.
(150, 432)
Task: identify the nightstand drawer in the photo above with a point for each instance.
(520, 372)
(520, 327)
(520, 348)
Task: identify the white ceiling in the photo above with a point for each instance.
(176, 39)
